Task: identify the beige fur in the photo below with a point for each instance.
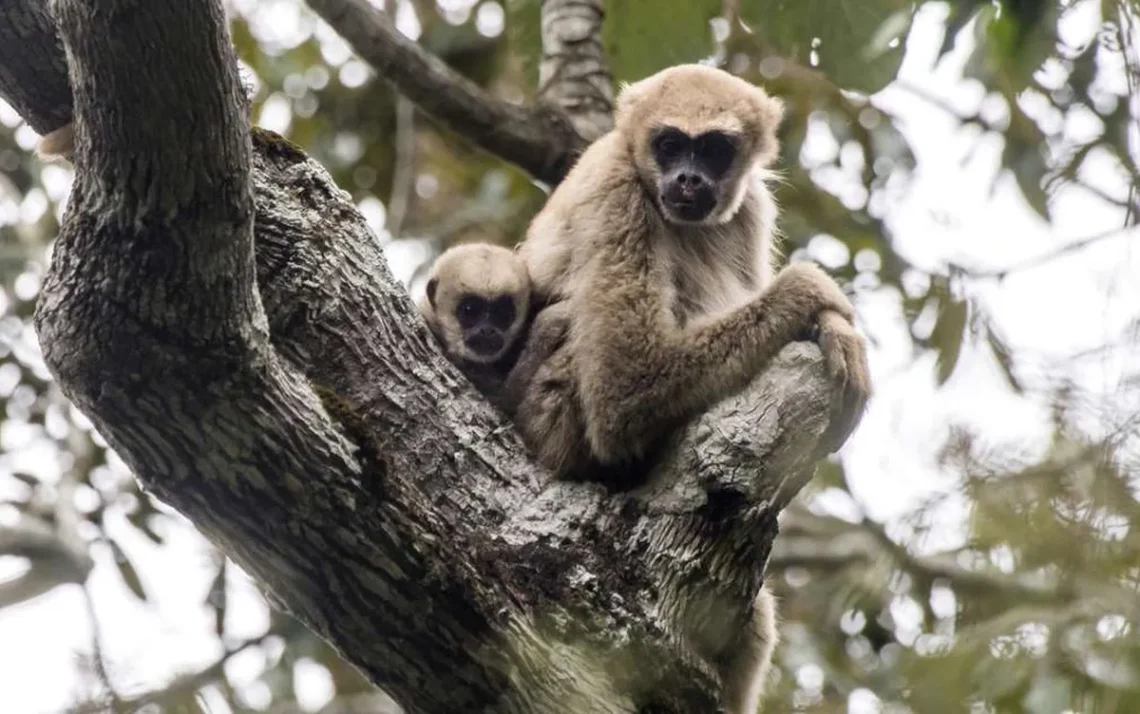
(660, 319)
(486, 271)
(746, 671)
(59, 143)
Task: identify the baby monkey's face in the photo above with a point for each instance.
(477, 299)
(695, 172)
(486, 322)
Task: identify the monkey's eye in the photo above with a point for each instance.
(470, 310)
(503, 312)
(716, 150)
(670, 144)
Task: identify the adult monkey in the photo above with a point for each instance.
(657, 251)
(656, 254)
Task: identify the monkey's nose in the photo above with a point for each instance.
(485, 341)
(690, 183)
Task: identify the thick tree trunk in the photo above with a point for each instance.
(222, 313)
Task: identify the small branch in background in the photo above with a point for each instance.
(1127, 31)
(730, 11)
(573, 74)
(1066, 176)
(1070, 177)
(56, 553)
(404, 177)
(540, 140)
(52, 563)
(1039, 260)
(181, 686)
(110, 696)
(372, 703)
(802, 544)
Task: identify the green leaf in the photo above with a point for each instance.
(948, 336)
(1027, 163)
(1012, 45)
(216, 597)
(27, 479)
(858, 44)
(1048, 695)
(140, 519)
(127, 570)
(963, 11)
(645, 37)
(1004, 357)
(524, 35)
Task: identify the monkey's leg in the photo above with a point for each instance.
(636, 378)
(745, 670)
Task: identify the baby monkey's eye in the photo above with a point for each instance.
(503, 311)
(470, 309)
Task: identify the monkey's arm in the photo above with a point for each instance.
(547, 334)
(846, 357)
(638, 375)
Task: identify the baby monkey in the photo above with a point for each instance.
(478, 305)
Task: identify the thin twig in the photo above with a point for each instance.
(404, 177)
(181, 686)
(1127, 30)
(1039, 260)
(98, 659)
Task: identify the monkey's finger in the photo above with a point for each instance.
(847, 365)
(830, 333)
(856, 391)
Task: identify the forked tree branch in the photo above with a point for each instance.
(230, 326)
(53, 560)
(33, 71)
(539, 139)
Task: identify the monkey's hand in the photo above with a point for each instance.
(846, 357)
(802, 292)
(823, 314)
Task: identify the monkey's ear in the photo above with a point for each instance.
(629, 96)
(431, 288)
(770, 109)
(775, 110)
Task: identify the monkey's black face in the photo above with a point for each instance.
(693, 171)
(485, 323)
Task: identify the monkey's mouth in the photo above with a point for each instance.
(485, 344)
(688, 207)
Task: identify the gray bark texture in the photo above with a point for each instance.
(223, 314)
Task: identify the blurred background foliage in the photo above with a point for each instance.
(1023, 599)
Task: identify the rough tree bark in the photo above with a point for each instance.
(222, 313)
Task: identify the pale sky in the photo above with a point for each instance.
(1047, 313)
